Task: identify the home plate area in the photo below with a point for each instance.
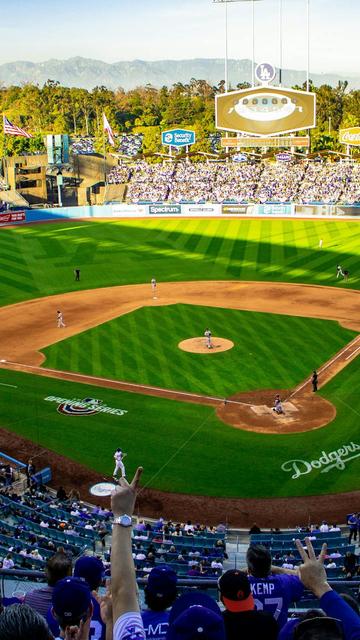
(263, 409)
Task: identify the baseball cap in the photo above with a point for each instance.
(71, 599)
(235, 591)
(91, 569)
(162, 582)
(195, 616)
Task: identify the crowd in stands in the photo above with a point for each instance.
(130, 144)
(82, 146)
(68, 543)
(246, 182)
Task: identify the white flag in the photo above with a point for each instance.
(108, 130)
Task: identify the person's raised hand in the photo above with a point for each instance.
(312, 572)
(124, 496)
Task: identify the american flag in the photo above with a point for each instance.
(12, 130)
(108, 130)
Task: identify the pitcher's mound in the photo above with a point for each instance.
(198, 345)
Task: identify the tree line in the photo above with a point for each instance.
(56, 109)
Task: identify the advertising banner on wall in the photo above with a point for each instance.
(240, 209)
(12, 216)
(265, 110)
(157, 209)
(178, 137)
(350, 136)
(274, 209)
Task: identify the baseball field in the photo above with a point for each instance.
(200, 423)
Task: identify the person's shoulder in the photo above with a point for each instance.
(129, 626)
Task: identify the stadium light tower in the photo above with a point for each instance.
(226, 2)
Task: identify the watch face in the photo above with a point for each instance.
(125, 520)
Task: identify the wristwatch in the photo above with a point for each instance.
(123, 521)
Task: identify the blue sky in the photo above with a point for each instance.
(113, 30)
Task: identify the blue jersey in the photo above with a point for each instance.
(97, 627)
(156, 624)
(275, 593)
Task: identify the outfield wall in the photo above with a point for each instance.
(172, 210)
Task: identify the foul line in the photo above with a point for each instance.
(86, 379)
(327, 364)
(2, 384)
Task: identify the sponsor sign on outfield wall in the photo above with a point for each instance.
(350, 136)
(165, 208)
(274, 209)
(264, 110)
(12, 216)
(241, 209)
(337, 459)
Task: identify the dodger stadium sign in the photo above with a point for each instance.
(85, 407)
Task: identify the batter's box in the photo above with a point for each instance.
(261, 409)
(289, 407)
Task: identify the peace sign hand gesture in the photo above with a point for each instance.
(312, 572)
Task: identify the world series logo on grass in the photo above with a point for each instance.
(85, 407)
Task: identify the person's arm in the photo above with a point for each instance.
(313, 575)
(123, 577)
(289, 572)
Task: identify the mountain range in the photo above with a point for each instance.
(89, 73)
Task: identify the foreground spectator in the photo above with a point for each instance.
(127, 620)
(72, 608)
(160, 593)
(242, 621)
(21, 622)
(273, 593)
(58, 567)
(196, 615)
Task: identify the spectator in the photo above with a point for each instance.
(160, 593)
(21, 622)
(57, 567)
(273, 593)
(8, 562)
(61, 494)
(195, 615)
(242, 621)
(72, 607)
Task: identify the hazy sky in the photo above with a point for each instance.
(114, 30)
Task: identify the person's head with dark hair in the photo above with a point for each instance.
(319, 628)
(258, 559)
(21, 622)
(71, 602)
(161, 588)
(59, 566)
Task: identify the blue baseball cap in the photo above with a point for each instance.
(195, 616)
(71, 599)
(91, 569)
(162, 582)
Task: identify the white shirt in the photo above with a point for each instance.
(118, 456)
(324, 528)
(129, 627)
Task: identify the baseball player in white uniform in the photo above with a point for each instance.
(207, 335)
(60, 319)
(119, 465)
(153, 287)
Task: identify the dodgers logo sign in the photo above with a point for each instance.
(178, 137)
(85, 407)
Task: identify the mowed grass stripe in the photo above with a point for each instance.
(155, 359)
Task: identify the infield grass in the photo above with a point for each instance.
(183, 447)
(39, 260)
(142, 347)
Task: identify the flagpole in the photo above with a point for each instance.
(104, 152)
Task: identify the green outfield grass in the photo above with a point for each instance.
(183, 447)
(142, 347)
(39, 260)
